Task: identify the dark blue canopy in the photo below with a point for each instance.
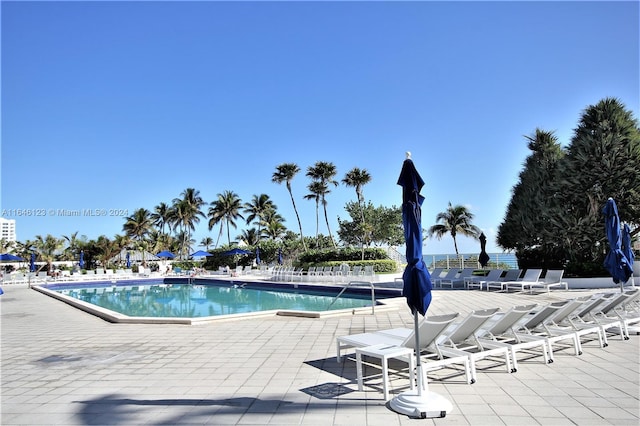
(616, 262)
(417, 281)
(201, 253)
(8, 257)
(236, 251)
(166, 253)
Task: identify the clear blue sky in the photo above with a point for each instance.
(122, 105)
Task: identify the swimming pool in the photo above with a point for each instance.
(203, 300)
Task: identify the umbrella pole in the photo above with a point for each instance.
(420, 403)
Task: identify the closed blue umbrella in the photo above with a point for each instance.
(128, 260)
(81, 262)
(280, 262)
(615, 262)
(257, 255)
(417, 289)
(417, 281)
(32, 263)
(626, 248)
(483, 258)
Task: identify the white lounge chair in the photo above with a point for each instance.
(451, 274)
(480, 281)
(430, 330)
(501, 333)
(510, 275)
(558, 323)
(553, 278)
(532, 329)
(531, 277)
(462, 341)
(458, 279)
(624, 307)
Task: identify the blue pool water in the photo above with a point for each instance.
(181, 300)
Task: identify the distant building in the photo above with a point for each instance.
(8, 229)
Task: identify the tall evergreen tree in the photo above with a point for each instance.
(602, 161)
(530, 209)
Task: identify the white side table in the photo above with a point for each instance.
(383, 352)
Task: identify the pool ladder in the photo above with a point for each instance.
(373, 294)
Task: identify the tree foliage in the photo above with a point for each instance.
(563, 204)
(383, 225)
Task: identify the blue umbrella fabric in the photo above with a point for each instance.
(8, 257)
(258, 255)
(201, 253)
(166, 253)
(615, 262)
(483, 258)
(626, 246)
(32, 263)
(128, 260)
(280, 262)
(417, 280)
(236, 251)
(81, 261)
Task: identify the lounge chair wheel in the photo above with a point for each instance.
(473, 381)
(605, 345)
(550, 361)
(513, 370)
(626, 338)
(580, 353)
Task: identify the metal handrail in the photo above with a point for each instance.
(373, 295)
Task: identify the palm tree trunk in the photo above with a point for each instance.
(295, 209)
(326, 219)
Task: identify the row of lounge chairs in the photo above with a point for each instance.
(491, 335)
(498, 279)
(339, 273)
(89, 275)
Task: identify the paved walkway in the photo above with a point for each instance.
(61, 366)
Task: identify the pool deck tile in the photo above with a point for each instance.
(62, 366)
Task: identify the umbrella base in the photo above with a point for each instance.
(422, 405)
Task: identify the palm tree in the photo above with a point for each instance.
(316, 189)
(257, 209)
(74, 245)
(138, 225)
(161, 216)
(456, 220)
(285, 173)
(206, 242)
(273, 225)
(324, 173)
(250, 237)
(357, 178)
(108, 248)
(187, 213)
(48, 247)
(225, 210)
